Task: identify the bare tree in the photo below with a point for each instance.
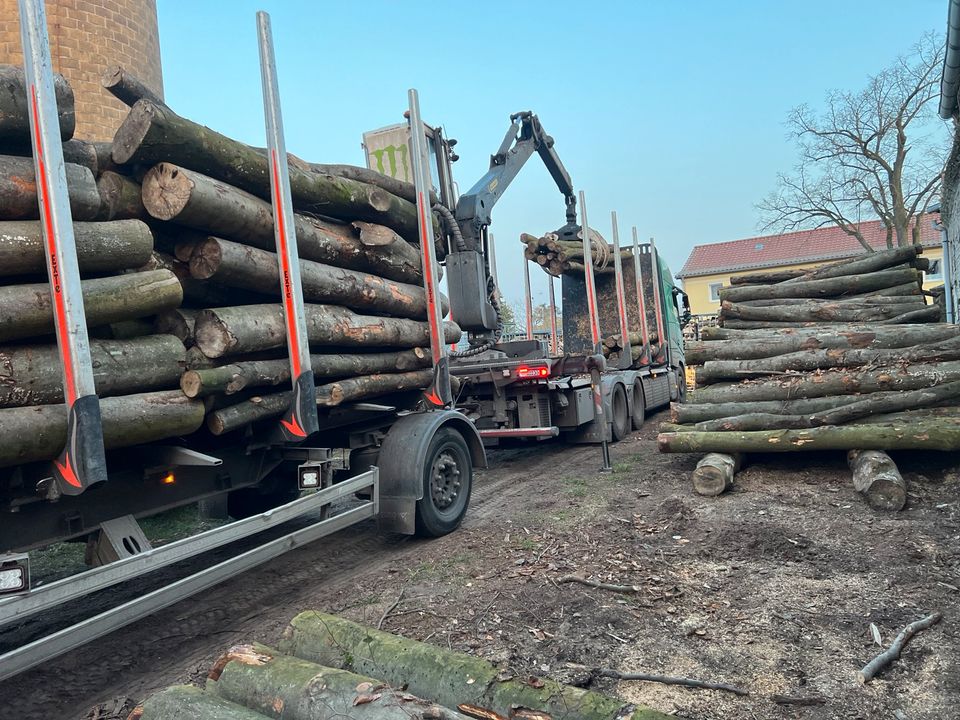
(873, 154)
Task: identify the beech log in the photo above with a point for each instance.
(178, 322)
(250, 410)
(122, 330)
(830, 287)
(189, 198)
(930, 314)
(242, 266)
(40, 432)
(250, 328)
(768, 278)
(402, 189)
(199, 293)
(908, 288)
(876, 477)
(861, 264)
(440, 674)
(120, 197)
(101, 246)
(818, 311)
(14, 105)
(244, 374)
(188, 702)
(367, 386)
(18, 190)
(31, 374)
(389, 255)
(25, 310)
(153, 133)
(768, 345)
(714, 473)
(941, 434)
(127, 88)
(875, 301)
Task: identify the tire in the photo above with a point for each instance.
(681, 383)
(277, 488)
(447, 482)
(621, 413)
(639, 406)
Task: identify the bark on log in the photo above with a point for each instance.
(101, 246)
(199, 293)
(31, 374)
(921, 315)
(152, 133)
(179, 323)
(127, 88)
(829, 288)
(714, 473)
(878, 301)
(15, 105)
(929, 314)
(765, 345)
(18, 190)
(876, 477)
(862, 264)
(710, 333)
(241, 266)
(818, 311)
(714, 371)
(188, 702)
(935, 435)
(440, 674)
(245, 412)
(120, 198)
(250, 328)
(389, 255)
(399, 188)
(244, 374)
(25, 310)
(693, 412)
(367, 386)
(39, 432)
(909, 288)
(254, 676)
(768, 278)
(189, 198)
(832, 382)
(122, 330)
(196, 360)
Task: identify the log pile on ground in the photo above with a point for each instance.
(175, 242)
(327, 667)
(847, 356)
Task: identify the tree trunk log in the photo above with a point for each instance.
(832, 382)
(244, 412)
(18, 190)
(152, 133)
(909, 288)
(862, 264)
(714, 371)
(241, 266)
(878, 301)
(25, 310)
(254, 676)
(126, 87)
(40, 432)
(768, 278)
(440, 674)
(14, 105)
(199, 293)
(710, 333)
(188, 702)
(818, 311)
(714, 473)
(368, 386)
(876, 477)
(175, 194)
(829, 288)
(244, 374)
(399, 188)
(120, 198)
(389, 255)
(250, 328)
(692, 412)
(31, 375)
(767, 345)
(929, 314)
(934, 435)
(101, 246)
(179, 323)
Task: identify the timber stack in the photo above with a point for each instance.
(848, 356)
(558, 256)
(175, 242)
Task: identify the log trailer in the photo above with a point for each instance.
(526, 388)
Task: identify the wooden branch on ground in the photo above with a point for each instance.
(386, 613)
(896, 647)
(668, 680)
(600, 585)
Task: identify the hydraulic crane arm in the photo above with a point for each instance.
(524, 137)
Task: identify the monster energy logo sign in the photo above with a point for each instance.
(392, 160)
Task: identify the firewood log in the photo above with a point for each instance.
(876, 477)
(714, 473)
(18, 190)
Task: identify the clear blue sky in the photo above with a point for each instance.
(670, 113)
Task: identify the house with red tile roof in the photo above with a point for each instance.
(710, 267)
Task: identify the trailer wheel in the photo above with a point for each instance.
(447, 482)
(621, 413)
(639, 406)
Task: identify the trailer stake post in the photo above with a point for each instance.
(554, 340)
(82, 461)
(439, 394)
(626, 353)
(527, 300)
(595, 381)
(658, 301)
(300, 420)
(641, 303)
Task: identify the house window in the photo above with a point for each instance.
(715, 291)
(935, 272)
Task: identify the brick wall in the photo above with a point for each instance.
(87, 36)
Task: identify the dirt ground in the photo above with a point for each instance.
(772, 588)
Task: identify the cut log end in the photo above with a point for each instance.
(166, 191)
(876, 477)
(714, 474)
(205, 259)
(133, 130)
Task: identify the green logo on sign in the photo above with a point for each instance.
(392, 153)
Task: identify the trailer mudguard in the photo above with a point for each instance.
(401, 463)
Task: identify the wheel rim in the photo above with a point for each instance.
(620, 416)
(445, 479)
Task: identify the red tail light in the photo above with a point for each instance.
(525, 372)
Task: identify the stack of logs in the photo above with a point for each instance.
(558, 256)
(843, 357)
(175, 242)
